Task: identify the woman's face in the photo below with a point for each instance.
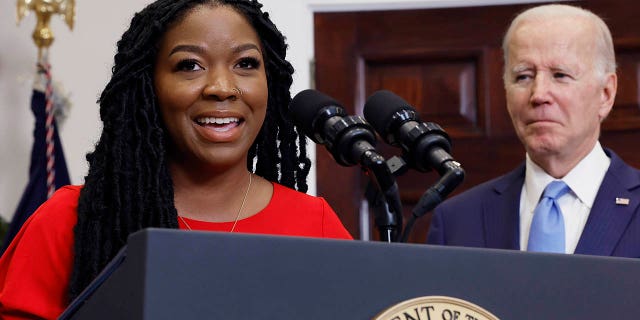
(211, 85)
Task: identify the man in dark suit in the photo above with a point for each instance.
(560, 84)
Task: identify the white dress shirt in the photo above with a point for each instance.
(584, 181)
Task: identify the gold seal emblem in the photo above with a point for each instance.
(435, 307)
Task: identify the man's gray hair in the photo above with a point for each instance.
(605, 59)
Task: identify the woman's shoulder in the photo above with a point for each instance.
(291, 200)
(66, 194)
(52, 222)
(35, 268)
(283, 193)
(59, 211)
(319, 218)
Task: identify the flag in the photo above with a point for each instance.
(47, 169)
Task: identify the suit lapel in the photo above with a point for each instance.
(608, 220)
(501, 211)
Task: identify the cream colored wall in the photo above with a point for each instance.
(82, 59)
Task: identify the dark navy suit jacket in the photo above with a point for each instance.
(488, 215)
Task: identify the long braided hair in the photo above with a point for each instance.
(128, 186)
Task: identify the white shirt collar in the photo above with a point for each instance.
(584, 179)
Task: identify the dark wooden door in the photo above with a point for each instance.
(447, 63)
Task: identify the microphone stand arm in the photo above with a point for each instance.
(388, 209)
(452, 175)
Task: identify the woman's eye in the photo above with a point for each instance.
(188, 65)
(248, 63)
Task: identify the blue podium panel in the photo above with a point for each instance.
(172, 274)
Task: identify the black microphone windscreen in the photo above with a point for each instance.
(380, 108)
(304, 107)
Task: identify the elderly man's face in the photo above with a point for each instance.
(556, 95)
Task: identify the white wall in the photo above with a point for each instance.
(81, 60)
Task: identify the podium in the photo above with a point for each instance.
(173, 274)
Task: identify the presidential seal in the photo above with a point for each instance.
(435, 307)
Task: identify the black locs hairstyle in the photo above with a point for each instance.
(128, 186)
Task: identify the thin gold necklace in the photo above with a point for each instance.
(244, 199)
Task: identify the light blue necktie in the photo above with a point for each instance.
(547, 227)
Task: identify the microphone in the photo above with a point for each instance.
(350, 140)
(424, 145)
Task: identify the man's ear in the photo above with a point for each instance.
(608, 95)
